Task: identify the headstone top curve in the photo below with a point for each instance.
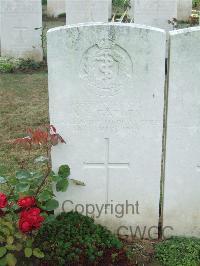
(184, 31)
(121, 25)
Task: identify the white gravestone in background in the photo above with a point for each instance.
(110, 9)
(155, 13)
(184, 9)
(19, 37)
(182, 180)
(55, 7)
(106, 85)
(80, 11)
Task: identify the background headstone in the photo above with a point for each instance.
(81, 11)
(106, 89)
(184, 9)
(155, 13)
(55, 7)
(19, 21)
(110, 9)
(182, 180)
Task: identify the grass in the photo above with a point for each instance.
(24, 104)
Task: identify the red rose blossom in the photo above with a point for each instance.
(3, 201)
(24, 226)
(26, 202)
(30, 219)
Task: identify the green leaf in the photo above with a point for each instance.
(10, 240)
(64, 171)
(19, 247)
(12, 181)
(50, 218)
(11, 260)
(37, 175)
(3, 262)
(56, 178)
(28, 252)
(38, 253)
(45, 195)
(2, 180)
(51, 205)
(3, 251)
(23, 174)
(77, 182)
(8, 224)
(5, 230)
(11, 247)
(22, 187)
(2, 239)
(41, 159)
(29, 243)
(62, 185)
(18, 235)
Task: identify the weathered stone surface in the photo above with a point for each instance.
(81, 11)
(21, 23)
(106, 89)
(55, 7)
(184, 9)
(155, 13)
(182, 181)
(110, 9)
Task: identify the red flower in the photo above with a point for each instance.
(3, 201)
(24, 226)
(26, 202)
(30, 220)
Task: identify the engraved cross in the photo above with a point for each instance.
(107, 165)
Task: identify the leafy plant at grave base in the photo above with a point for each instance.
(30, 200)
(9, 65)
(179, 251)
(6, 66)
(74, 238)
(26, 64)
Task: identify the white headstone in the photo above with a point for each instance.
(184, 9)
(155, 13)
(55, 7)
(182, 180)
(106, 84)
(110, 9)
(80, 11)
(21, 23)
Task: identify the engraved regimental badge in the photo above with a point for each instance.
(106, 67)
